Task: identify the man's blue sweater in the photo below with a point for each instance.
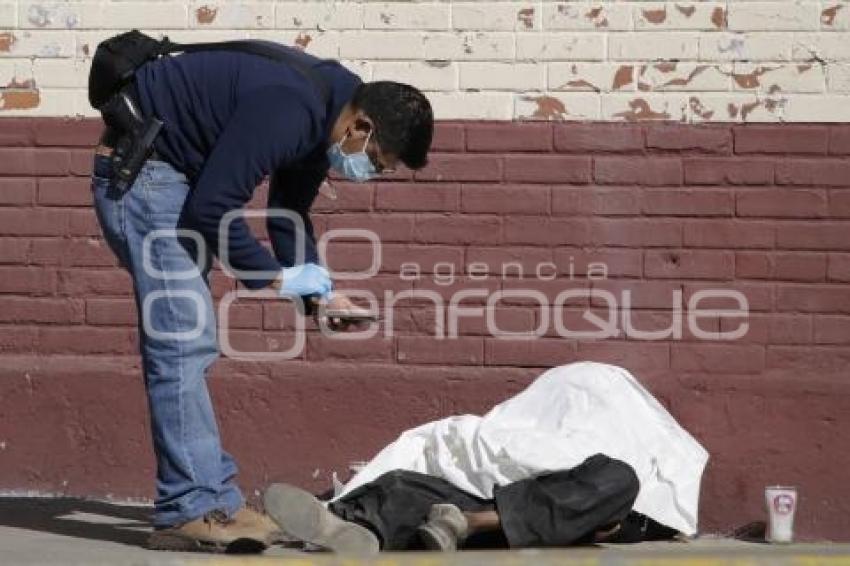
(231, 119)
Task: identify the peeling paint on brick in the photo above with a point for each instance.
(697, 108)
(827, 16)
(732, 110)
(7, 40)
(687, 11)
(26, 84)
(438, 63)
(85, 49)
(772, 104)
(303, 40)
(749, 107)
(639, 109)
(579, 83)
(624, 76)
(718, 18)
(655, 16)
(751, 80)
(206, 14)
(386, 18)
(597, 16)
(548, 108)
(20, 95)
(684, 81)
(667, 67)
(526, 17)
(19, 99)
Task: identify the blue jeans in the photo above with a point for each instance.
(177, 334)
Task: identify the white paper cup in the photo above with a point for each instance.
(781, 502)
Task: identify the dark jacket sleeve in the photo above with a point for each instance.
(262, 134)
(294, 189)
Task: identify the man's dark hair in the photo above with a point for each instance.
(404, 121)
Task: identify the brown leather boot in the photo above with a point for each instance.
(245, 532)
(264, 523)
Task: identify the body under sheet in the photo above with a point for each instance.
(566, 415)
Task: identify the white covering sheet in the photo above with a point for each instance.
(567, 414)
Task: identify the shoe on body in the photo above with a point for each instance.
(446, 527)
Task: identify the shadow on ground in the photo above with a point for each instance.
(93, 520)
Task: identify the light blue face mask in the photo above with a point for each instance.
(354, 166)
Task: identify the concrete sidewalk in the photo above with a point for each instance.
(68, 531)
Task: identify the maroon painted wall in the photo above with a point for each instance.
(763, 209)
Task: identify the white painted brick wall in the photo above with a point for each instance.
(82, 15)
(419, 16)
(433, 75)
(464, 46)
(318, 15)
(733, 60)
(839, 78)
(653, 46)
(8, 15)
(788, 16)
(495, 16)
(502, 76)
(562, 46)
(753, 46)
(161, 15)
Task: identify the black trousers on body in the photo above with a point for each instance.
(554, 509)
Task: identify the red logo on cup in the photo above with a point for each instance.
(783, 504)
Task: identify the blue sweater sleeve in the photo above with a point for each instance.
(294, 190)
(269, 127)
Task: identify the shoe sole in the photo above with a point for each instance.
(300, 515)
(178, 543)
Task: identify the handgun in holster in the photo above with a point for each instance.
(133, 143)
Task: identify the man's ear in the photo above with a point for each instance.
(362, 125)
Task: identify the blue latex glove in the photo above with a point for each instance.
(305, 280)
